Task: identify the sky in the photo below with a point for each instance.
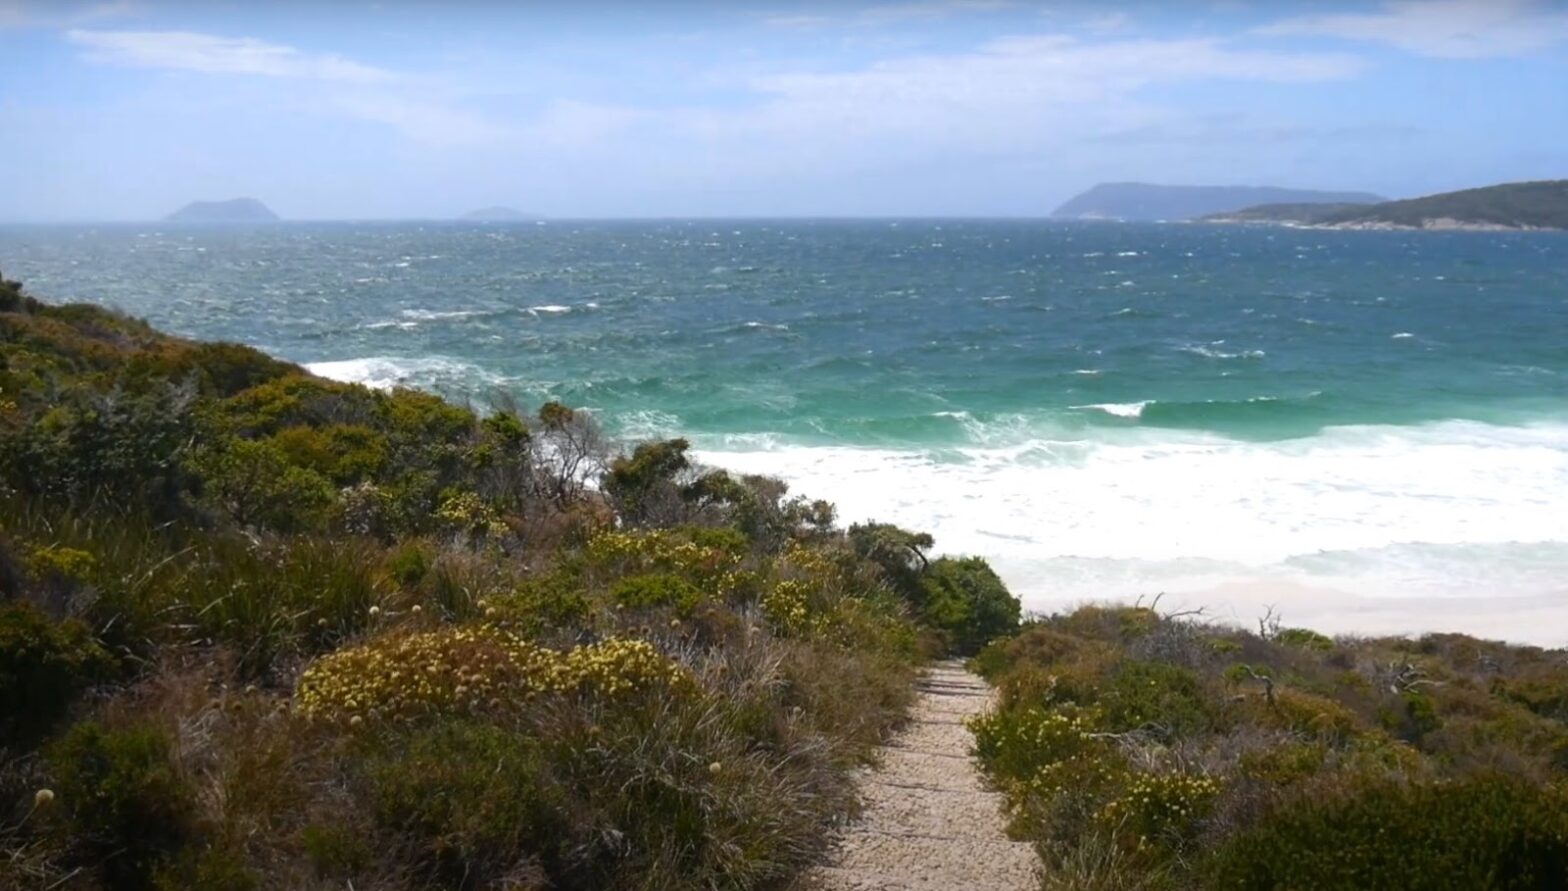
(125, 110)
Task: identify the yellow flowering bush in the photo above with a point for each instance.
(449, 671)
(619, 666)
(788, 607)
(1161, 808)
(52, 562)
(472, 670)
(1019, 744)
(660, 550)
(467, 512)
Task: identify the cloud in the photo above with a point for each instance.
(1452, 29)
(212, 54)
(890, 14)
(344, 88)
(21, 14)
(1053, 68)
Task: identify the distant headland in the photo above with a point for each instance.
(1510, 206)
(1151, 202)
(235, 210)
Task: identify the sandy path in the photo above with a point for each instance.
(930, 824)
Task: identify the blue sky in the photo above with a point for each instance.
(125, 110)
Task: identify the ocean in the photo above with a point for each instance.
(1366, 430)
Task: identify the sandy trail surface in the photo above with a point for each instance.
(930, 822)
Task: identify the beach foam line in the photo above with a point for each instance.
(1437, 510)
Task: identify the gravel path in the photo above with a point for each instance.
(930, 823)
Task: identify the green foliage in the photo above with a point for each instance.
(44, 666)
(642, 484)
(1541, 204)
(1129, 744)
(125, 797)
(1481, 832)
(114, 447)
(656, 590)
(375, 640)
(1164, 699)
(966, 599)
(254, 483)
(473, 802)
(1304, 638)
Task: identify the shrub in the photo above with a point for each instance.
(1303, 638)
(617, 667)
(127, 802)
(474, 802)
(655, 590)
(254, 484)
(452, 671)
(966, 599)
(643, 485)
(1160, 810)
(472, 670)
(1155, 696)
(1018, 743)
(44, 666)
(1483, 832)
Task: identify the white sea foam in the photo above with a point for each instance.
(386, 372)
(1454, 509)
(1210, 353)
(431, 315)
(552, 308)
(1118, 409)
(1403, 335)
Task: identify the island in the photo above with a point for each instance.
(235, 210)
(1133, 201)
(1287, 214)
(1509, 206)
(500, 215)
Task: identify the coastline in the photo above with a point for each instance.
(1533, 620)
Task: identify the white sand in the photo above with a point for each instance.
(1540, 619)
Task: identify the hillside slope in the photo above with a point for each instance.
(1529, 205)
(1151, 202)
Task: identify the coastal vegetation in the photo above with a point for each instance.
(1140, 750)
(1530, 205)
(263, 630)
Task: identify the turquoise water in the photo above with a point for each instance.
(1104, 409)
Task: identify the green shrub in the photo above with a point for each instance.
(1541, 689)
(336, 852)
(643, 484)
(656, 590)
(1303, 638)
(254, 484)
(475, 802)
(966, 599)
(44, 666)
(1161, 810)
(1164, 699)
(128, 803)
(1491, 832)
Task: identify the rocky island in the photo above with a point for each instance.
(235, 210)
